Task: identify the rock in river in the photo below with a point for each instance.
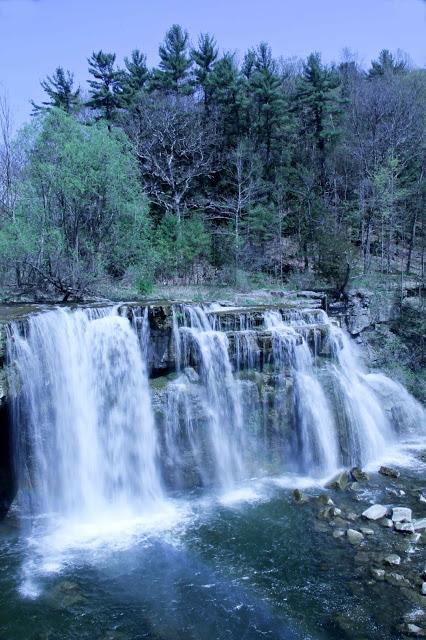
(354, 537)
(375, 512)
(401, 514)
(388, 471)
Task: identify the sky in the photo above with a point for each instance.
(36, 36)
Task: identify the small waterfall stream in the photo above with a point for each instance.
(248, 398)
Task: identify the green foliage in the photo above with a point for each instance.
(144, 286)
(175, 62)
(135, 78)
(80, 207)
(60, 91)
(105, 88)
(179, 245)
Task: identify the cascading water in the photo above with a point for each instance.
(87, 440)
(315, 433)
(251, 396)
(221, 398)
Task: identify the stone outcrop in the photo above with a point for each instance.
(364, 309)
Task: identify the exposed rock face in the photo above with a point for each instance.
(364, 310)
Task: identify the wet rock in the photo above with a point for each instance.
(404, 527)
(415, 537)
(401, 514)
(366, 531)
(419, 524)
(340, 522)
(386, 522)
(325, 500)
(339, 533)
(388, 471)
(335, 511)
(377, 574)
(397, 580)
(325, 514)
(66, 595)
(423, 589)
(299, 496)
(352, 516)
(375, 512)
(341, 481)
(411, 629)
(354, 537)
(421, 498)
(359, 475)
(392, 559)
(355, 486)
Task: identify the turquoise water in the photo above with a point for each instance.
(252, 566)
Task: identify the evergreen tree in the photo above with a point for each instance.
(229, 96)
(135, 77)
(105, 89)
(387, 64)
(175, 63)
(319, 105)
(267, 104)
(204, 58)
(61, 92)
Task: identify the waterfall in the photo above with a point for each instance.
(87, 442)
(375, 410)
(252, 394)
(221, 398)
(316, 436)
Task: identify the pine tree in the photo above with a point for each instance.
(318, 102)
(105, 92)
(204, 58)
(387, 64)
(60, 90)
(266, 98)
(229, 96)
(135, 77)
(175, 63)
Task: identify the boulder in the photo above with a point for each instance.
(299, 496)
(411, 629)
(388, 471)
(392, 559)
(401, 514)
(354, 537)
(366, 531)
(375, 512)
(341, 481)
(386, 522)
(339, 533)
(325, 500)
(423, 589)
(404, 527)
(397, 580)
(419, 524)
(359, 475)
(378, 574)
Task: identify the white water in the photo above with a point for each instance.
(87, 438)
(317, 445)
(221, 397)
(91, 450)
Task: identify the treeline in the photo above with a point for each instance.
(211, 169)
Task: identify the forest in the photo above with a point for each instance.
(214, 169)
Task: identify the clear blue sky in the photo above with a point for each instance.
(38, 35)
